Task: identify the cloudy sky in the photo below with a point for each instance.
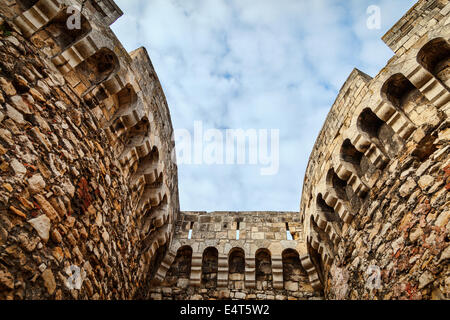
(255, 64)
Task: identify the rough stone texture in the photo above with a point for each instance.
(213, 264)
(88, 179)
(82, 123)
(376, 192)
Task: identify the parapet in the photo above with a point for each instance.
(122, 122)
(242, 254)
(370, 161)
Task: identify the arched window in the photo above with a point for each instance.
(338, 185)
(379, 133)
(351, 155)
(403, 95)
(180, 270)
(344, 192)
(147, 169)
(327, 211)
(397, 90)
(294, 276)
(121, 104)
(64, 37)
(98, 67)
(130, 138)
(263, 263)
(210, 264)
(236, 267)
(435, 57)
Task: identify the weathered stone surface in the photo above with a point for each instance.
(49, 281)
(18, 168)
(86, 152)
(14, 114)
(42, 225)
(407, 188)
(6, 280)
(240, 295)
(66, 166)
(36, 184)
(375, 192)
(425, 279)
(426, 182)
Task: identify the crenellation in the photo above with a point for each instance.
(89, 177)
(396, 125)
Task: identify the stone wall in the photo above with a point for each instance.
(375, 202)
(207, 259)
(88, 179)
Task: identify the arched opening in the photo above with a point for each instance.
(359, 162)
(294, 276)
(26, 4)
(147, 168)
(339, 185)
(263, 263)
(153, 218)
(435, 57)
(404, 96)
(64, 37)
(327, 211)
(120, 105)
(398, 90)
(343, 191)
(321, 241)
(130, 138)
(351, 155)
(236, 267)
(150, 196)
(136, 133)
(98, 67)
(328, 220)
(180, 270)
(210, 265)
(156, 260)
(379, 133)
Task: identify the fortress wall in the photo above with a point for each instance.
(375, 195)
(213, 264)
(87, 178)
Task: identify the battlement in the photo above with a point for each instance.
(88, 180)
(114, 131)
(378, 133)
(237, 255)
(415, 24)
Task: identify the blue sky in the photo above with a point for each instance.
(255, 64)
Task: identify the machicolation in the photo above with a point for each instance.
(89, 185)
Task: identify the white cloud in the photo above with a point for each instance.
(255, 64)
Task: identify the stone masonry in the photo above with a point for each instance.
(88, 185)
(89, 203)
(375, 203)
(240, 255)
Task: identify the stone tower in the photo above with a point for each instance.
(89, 203)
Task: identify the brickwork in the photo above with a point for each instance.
(207, 259)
